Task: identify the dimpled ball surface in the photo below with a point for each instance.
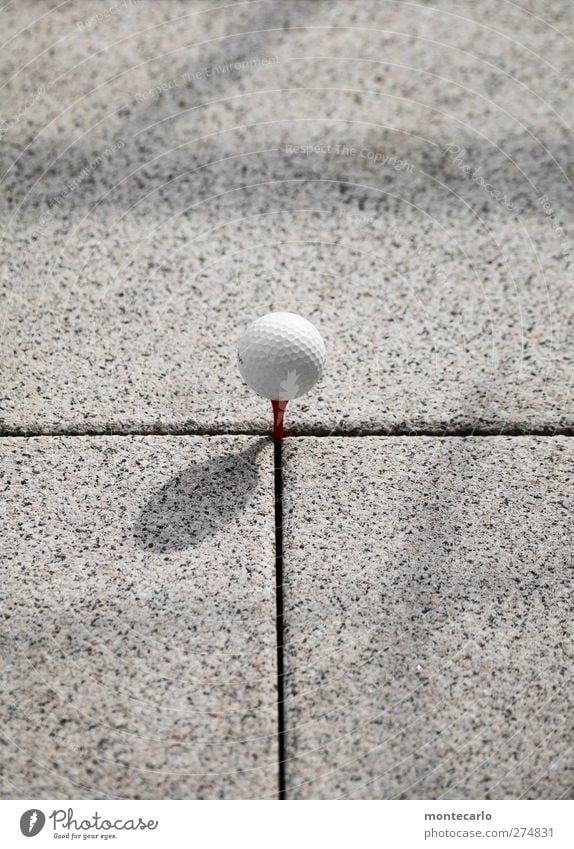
(281, 356)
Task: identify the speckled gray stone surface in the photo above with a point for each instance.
(428, 617)
(398, 173)
(138, 633)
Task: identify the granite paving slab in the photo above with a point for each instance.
(138, 634)
(428, 618)
(399, 173)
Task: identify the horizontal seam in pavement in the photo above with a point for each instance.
(323, 434)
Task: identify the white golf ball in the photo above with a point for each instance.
(281, 356)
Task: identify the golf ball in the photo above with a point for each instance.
(281, 356)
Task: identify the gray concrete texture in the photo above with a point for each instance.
(428, 618)
(397, 173)
(138, 641)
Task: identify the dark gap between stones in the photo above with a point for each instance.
(278, 474)
(323, 434)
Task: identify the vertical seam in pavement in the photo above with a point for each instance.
(278, 475)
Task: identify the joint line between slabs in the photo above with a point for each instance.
(461, 433)
(279, 607)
